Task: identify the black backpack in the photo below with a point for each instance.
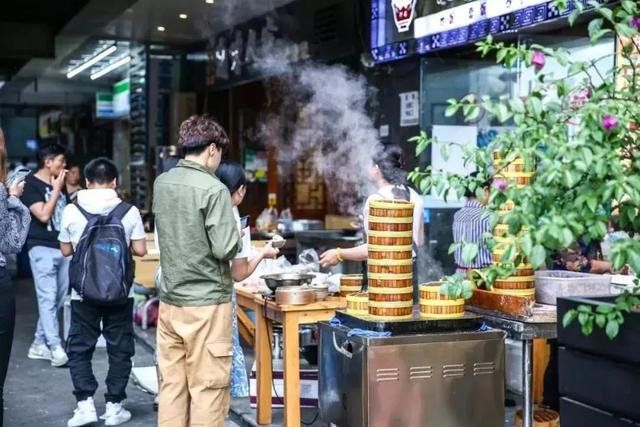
(102, 267)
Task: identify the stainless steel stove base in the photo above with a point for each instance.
(451, 379)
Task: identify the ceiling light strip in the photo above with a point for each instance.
(103, 54)
(109, 68)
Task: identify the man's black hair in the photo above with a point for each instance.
(49, 152)
(100, 171)
(468, 193)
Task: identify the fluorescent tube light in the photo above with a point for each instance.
(94, 60)
(109, 68)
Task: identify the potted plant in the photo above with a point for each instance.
(580, 132)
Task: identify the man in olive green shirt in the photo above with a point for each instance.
(198, 236)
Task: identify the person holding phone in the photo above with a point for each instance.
(232, 175)
(45, 196)
(14, 226)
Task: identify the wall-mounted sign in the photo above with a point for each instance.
(403, 13)
(441, 24)
(409, 109)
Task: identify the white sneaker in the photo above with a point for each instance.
(39, 352)
(58, 357)
(84, 414)
(115, 414)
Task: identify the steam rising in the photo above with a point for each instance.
(323, 119)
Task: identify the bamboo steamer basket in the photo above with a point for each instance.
(391, 208)
(395, 266)
(497, 254)
(392, 252)
(435, 305)
(515, 282)
(350, 284)
(502, 230)
(390, 294)
(390, 280)
(519, 178)
(358, 304)
(541, 418)
(381, 223)
(391, 309)
(523, 270)
(526, 293)
(390, 238)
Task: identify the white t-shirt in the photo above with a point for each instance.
(246, 239)
(97, 202)
(386, 193)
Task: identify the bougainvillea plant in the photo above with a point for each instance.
(580, 134)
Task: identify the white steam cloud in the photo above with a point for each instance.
(323, 119)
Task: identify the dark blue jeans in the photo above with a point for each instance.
(117, 328)
(7, 323)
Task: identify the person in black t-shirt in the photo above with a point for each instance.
(44, 195)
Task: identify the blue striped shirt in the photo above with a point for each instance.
(469, 225)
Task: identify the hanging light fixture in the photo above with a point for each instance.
(93, 60)
(109, 68)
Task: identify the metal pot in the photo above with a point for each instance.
(274, 281)
(295, 295)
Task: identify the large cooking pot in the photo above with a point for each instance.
(295, 295)
(274, 281)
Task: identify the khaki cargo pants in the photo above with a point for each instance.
(194, 360)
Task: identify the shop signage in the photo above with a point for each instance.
(441, 24)
(409, 109)
(403, 12)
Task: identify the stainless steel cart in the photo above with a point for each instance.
(437, 379)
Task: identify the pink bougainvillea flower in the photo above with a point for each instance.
(538, 60)
(609, 122)
(500, 184)
(635, 22)
(580, 98)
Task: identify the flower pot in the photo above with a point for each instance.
(600, 382)
(578, 414)
(551, 285)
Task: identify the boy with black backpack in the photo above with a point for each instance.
(102, 233)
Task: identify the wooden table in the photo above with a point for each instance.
(291, 317)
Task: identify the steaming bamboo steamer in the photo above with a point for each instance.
(390, 238)
(358, 304)
(380, 223)
(390, 294)
(393, 252)
(391, 208)
(515, 282)
(350, 284)
(394, 266)
(435, 305)
(391, 309)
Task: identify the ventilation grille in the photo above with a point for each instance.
(383, 375)
(420, 372)
(488, 368)
(453, 371)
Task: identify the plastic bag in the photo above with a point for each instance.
(267, 221)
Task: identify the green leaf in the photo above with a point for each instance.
(469, 252)
(538, 256)
(569, 317)
(601, 320)
(445, 150)
(454, 247)
(633, 258)
(573, 16)
(594, 27)
(451, 110)
(629, 6)
(606, 13)
(612, 329)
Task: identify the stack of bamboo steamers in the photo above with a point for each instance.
(390, 262)
(522, 283)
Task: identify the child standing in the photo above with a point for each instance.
(100, 199)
